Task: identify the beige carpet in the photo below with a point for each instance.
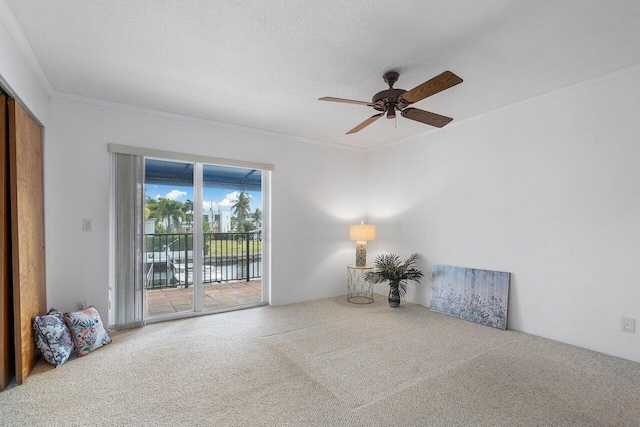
(329, 363)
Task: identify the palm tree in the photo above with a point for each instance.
(151, 212)
(241, 208)
(187, 208)
(152, 205)
(256, 218)
(169, 211)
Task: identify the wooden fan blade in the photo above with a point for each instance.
(365, 123)
(346, 101)
(426, 117)
(431, 87)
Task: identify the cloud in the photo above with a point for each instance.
(208, 205)
(231, 198)
(175, 194)
(225, 204)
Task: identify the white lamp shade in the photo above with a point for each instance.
(362, 232)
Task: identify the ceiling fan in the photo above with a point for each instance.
(391, 100)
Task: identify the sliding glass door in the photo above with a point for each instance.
(232, 236)
(169, 230)
(215, 208)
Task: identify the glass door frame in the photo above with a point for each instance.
(198, 243)
(198, 240)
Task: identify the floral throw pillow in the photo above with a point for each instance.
(52, 337)
(87, 330)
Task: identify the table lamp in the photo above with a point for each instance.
(362, 233)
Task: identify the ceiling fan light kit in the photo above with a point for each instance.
(391, 100)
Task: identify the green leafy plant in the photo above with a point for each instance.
(391, 268)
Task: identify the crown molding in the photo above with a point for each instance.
(9, 19)
(182, 117)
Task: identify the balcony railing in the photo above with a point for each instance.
(227, 256)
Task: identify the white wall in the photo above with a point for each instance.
(547, 189)
(314, 198)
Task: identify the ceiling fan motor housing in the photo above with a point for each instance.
(389, 100)
(383, 100)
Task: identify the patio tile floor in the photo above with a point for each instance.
(217, 295)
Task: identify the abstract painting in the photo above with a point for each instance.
(480, 296)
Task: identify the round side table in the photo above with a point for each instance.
(359, 290)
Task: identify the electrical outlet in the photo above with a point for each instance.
(628, 325)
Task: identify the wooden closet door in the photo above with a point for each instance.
(7, 361)
(27, 237)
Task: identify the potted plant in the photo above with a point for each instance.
(391, 268)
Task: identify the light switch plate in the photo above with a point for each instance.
(87, 225)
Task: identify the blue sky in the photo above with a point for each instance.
(216, 196)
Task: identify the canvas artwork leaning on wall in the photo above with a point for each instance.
(480, 296)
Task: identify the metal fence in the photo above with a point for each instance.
(227, 256)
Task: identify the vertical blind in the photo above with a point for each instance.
(129, 240)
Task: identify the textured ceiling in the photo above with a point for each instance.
(264, 64)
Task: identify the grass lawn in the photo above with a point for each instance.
(231, 247)
(238, 246)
